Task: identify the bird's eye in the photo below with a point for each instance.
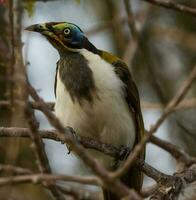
(67, 31)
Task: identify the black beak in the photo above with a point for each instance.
(36, 28)
(45, 30)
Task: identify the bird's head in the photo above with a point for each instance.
(63, 36)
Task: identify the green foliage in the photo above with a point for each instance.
(29, 5)
(78, 1)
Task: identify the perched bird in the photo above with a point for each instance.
(95, 94)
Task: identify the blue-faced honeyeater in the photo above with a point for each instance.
(95, 95)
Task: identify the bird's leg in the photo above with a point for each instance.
(122, 156)
(124, 153)
(74, 137)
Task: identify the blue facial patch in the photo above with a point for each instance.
(74, 40)
(77, 35)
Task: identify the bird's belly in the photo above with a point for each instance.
(107, 121)
(107, 118)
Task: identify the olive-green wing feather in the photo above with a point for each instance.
(134, 177)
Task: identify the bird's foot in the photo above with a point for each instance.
(122, 156)
(69, 149)
(74, 137)
(115, 163)
(124, 153)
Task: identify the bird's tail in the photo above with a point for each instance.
(132, 179)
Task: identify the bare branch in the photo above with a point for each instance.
(79, 193)
(39, 150)
(131, 21)
(93, 144)
(14, 169)
(186, 104)
(108, 149)
(65, 189)
(38, 145)
(49, 178)
(171, 188)
(151, 171)
(167, 185)
(146, 192)
(174, 6)
(174, 150)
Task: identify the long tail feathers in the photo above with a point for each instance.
(133, 179)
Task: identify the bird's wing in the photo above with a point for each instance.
(133, 100)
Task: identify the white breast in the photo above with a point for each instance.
(108, 119)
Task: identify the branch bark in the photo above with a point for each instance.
(174, 6)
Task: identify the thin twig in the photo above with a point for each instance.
(33, 104)
(147, 169)
(117, 28)
(38, 145)
(39, 150)
(14, 169)
(71, 190)
(108, 24)
(171, 187)
(174, 6)
(131, 21)
(146, 192)
(174, 150)
(107, 149)
(29, 176)
(186, 104)
(80, 194)
(176, 35)
(49, 178)
(165, 182)
(132, 45)
(151, 171)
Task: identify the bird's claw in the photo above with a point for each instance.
(122, 156)
(73, 136)
(69, 149)
(124, 153)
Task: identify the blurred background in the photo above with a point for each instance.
(163, 58)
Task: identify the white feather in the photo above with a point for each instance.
(108, 119)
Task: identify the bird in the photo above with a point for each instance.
(95, 95)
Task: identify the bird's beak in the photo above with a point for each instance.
(47, 32)
(37, 28)
(42, 29)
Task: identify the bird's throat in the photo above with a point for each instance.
(77, 77)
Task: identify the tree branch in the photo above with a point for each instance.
(173, 6)
(39, 150)
(185, 104)
(117, 153)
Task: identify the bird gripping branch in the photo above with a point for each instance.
(95, 95)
